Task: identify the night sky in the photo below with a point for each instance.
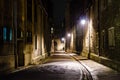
(59, 13)
(58, 16)
(58, 10)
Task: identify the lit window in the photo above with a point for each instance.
(10, 34)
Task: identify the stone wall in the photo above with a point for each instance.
(7, 63)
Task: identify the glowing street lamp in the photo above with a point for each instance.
(63, 39)
(83, 21)
(69, 35)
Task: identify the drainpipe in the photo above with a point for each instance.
(15, 31)
(99, 27)
(89, 15)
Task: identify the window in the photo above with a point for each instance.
(111, 37)
(35, 41)
(19, 33)
(10, 35)
(4, 33)
(29, 36)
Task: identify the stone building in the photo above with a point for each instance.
(24, 33)
(109, 41)
(75, 10)
(103, 25)
(98, 38)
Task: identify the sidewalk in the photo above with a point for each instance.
(98, 71)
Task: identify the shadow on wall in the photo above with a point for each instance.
(55, 45)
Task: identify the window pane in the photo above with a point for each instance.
(4, 33)
(10, 34)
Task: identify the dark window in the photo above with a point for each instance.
(29, 10)
(29, 36)
(19, 33)
(35, 41)
(4, 33)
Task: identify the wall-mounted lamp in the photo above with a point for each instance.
(83, 21)
(69, 35)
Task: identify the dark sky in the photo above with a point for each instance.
(59, 10)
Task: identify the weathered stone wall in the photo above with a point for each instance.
(6, 35)
(22, 22)
(110, 17)
(109, 29)
(7, 63)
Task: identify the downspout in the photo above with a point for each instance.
(99, 28)
(15, 32)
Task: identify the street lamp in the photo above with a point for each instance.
(63, 39)
(83, 21)
(69, 35)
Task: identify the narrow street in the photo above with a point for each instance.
(60, 40)
(59, 66)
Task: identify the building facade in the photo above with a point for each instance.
(24, 33)
(100, 34)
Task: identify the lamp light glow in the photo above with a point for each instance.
(63, 39)
(83, 21)
(69, 34)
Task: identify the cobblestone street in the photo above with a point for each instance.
(59, 66)
(64, 66)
